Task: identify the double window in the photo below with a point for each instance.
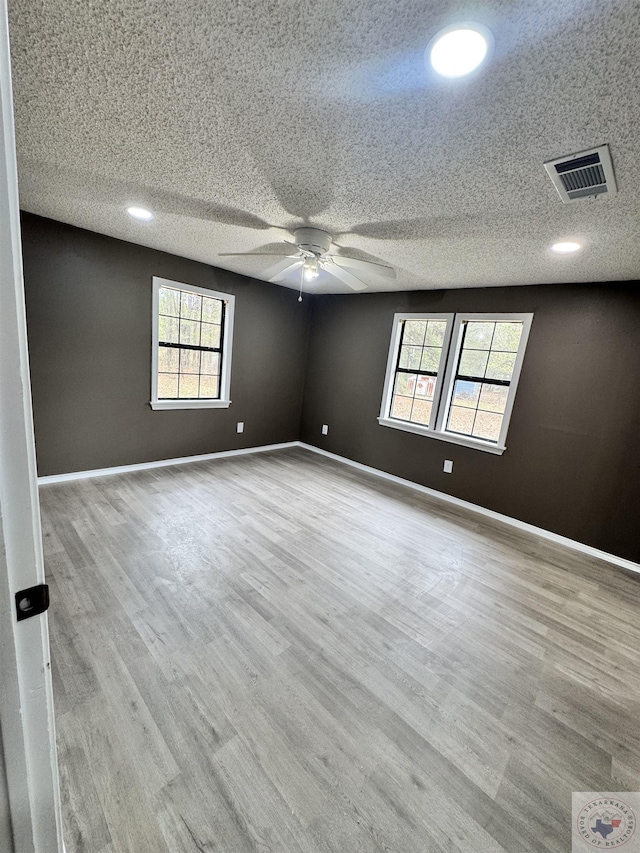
(191, 356)
(454, 377)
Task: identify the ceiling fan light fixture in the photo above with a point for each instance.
(311, 269)
(458, 50)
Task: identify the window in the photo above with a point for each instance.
(191, 357)
(454, 377)
(418, 354)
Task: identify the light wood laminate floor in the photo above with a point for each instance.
(278, 653)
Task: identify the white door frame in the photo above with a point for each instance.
(29, 790)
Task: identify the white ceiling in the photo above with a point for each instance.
(237, 121)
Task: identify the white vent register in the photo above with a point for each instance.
(583, 175)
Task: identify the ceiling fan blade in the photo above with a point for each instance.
(364, 266)
(345, 276)
(278, 272)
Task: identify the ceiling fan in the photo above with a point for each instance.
(311, 256)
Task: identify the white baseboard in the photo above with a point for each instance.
(161, 463)
(488, 513)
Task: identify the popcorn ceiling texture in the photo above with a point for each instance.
(236, 122)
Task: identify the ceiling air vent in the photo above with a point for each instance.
(583, 175)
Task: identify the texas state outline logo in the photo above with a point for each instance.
(605, 821)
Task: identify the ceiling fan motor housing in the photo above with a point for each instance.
(312, 240)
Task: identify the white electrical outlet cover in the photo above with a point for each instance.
(325, 429)
(240, 426)
(448, 466)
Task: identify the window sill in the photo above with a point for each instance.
(476, 444)
(159, 405)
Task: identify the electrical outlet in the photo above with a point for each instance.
(240, 426)
(325, 429)
(448, 466)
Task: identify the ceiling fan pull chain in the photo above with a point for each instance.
(301, 282)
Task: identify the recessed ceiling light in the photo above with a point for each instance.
(459, 50)
(566, 248)
(140, 213)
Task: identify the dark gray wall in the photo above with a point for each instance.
(572, 463)
(89, 324)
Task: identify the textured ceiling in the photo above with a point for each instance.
(239, 121)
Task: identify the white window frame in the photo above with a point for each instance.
(385, 419)
(446, 378)
(227, 338)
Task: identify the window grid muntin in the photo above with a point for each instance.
(482, 381)
(417, 373)
(192, 347)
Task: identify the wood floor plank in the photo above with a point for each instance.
(269, 821)
(85, 827)
(121, 787)
(277, 653)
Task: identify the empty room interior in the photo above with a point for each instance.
(332, 317)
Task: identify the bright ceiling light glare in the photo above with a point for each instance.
(566, 248)
(311, 270)
(140, 213)
(459, 50)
